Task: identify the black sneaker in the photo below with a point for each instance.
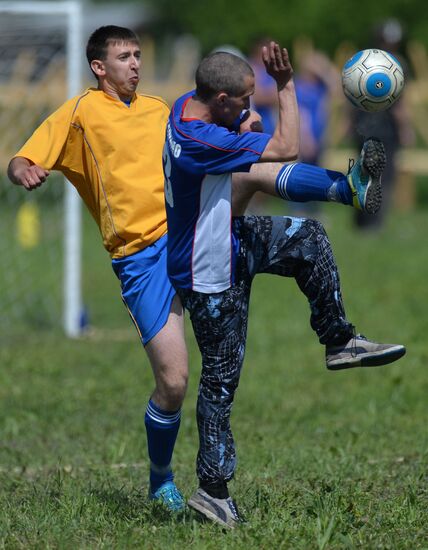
(360, 352)
(219, 510)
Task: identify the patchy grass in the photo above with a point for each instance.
(326, 460)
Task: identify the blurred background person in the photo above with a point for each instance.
(317, 81)
(264, 101)
(392, 126)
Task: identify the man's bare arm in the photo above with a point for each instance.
(284, 145)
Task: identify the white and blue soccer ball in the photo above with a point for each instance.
(372, 80)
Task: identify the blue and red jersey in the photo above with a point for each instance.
(199, 159)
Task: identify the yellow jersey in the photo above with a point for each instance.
(112, 154)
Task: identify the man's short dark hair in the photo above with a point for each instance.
(221, 72)
(101, 38)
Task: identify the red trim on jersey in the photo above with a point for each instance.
(260, 153)
(182, 111)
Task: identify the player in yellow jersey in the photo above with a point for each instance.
(108, 142)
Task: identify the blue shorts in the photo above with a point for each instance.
(146, 290)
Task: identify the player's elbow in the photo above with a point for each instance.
(290, 149)
(281, 151)
(292, 152)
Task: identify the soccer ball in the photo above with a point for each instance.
(372, 80)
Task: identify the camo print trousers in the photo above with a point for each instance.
(290, 247)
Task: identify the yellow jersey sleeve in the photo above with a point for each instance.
(48, 141)
(112, 154)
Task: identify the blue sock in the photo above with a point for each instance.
(301, 182)
(162, 429)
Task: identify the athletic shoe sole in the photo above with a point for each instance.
(369, 359)
(197, 503)
(374, 162)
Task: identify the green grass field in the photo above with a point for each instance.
(326, 460)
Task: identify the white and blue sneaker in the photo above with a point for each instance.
(169, 497)
(219, 510)
(364, 176)
(360, 352)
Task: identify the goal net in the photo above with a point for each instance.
(40, 48)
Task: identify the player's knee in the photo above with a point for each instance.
(173, 389)
(316, 233)
(317, 227)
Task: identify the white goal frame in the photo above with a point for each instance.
(72, 277)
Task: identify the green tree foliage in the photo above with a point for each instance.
(327, 22)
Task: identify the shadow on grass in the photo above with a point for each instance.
(136, 507)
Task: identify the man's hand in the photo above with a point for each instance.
(277, 64)
(22, 172)
(284, 144)
(33, 177)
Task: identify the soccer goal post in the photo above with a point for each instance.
(34, 37)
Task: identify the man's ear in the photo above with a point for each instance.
(221, 98)
(97, 67)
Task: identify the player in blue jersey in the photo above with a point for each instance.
(213, 256)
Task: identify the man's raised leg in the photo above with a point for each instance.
(301, 182)
(300, 248)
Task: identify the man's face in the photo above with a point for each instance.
(228, 108)
(118, 74)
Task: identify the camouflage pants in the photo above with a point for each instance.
(290, 247)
